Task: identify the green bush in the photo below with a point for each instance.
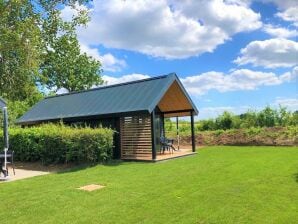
(61, 144)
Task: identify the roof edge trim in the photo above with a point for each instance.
(108, 86)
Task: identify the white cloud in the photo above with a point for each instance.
(270, 53)
(290, 15)
(70, 12)
(242, 79)
(290, 76)
(282, 4)
(289, 103)
(166, 28)
(281, 32)
(213, 112)
(108, 61)
(230, 16)
(110, 80)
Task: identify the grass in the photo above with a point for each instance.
(218, 185)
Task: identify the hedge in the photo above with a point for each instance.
(52, 144)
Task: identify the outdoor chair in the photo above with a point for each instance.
(167, 145)
(10, 160)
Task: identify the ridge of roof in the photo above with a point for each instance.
(111, 86)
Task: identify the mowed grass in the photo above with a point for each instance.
(218, 185)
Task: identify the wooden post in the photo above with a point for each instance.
(193, 140)
(163, 125)
(153, 135)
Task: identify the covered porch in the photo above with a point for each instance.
(144, 137)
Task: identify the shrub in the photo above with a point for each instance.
(61, 144)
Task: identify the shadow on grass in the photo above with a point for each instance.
(62, 168)
(69, 167)
(80, 167)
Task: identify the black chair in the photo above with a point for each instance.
(10, 160)
(167, 144)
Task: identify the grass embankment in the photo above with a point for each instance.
(218, 185)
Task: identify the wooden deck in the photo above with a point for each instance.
(176, 154)
(164, 156)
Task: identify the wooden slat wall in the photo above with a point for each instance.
(136, 142)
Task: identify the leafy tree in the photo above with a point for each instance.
(20, 46)
(208, 125)
(224, 121)
(248, 119)
(293, 120)
(236, 122)
(283, 116)
(38, 48)
(267, 117)
(64, 66)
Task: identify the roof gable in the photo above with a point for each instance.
(143, 95)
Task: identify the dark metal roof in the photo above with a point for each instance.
(2, 103)
(141, 95)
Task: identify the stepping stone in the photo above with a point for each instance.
(91, 187)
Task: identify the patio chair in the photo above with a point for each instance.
(10, 160)
(167, 144)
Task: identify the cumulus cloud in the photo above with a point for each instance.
(281, 32)
(281, 4)
(230, 16)
(166, 28)
(242, 79)
(270, 53)
(108, 61)
(289, 103)
(288, 10)
(290, 76)
(110, 80)
(213, 112)
(290, 15)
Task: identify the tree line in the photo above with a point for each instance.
(268, 117)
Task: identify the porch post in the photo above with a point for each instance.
(163, 125)
(153, 135)
(193, 140)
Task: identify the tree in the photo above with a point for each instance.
(20, 46)
(283, 116)
(64, 66)
(224, 121)
(38, 48)
(248, 119)
(267, 117)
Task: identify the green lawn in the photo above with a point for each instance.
(218, 185)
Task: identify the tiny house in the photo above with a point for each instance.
(136, 110)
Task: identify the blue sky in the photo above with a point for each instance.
(230, 55)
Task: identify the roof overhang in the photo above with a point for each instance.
(82, 118)
(176, 101)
